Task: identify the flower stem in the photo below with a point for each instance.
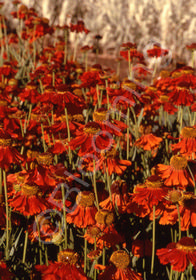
(179, 220)
(40, 249)
(128, 116)
(64, 216)
(7, 216)
(25, 247)
(153, 240)
(43, 140)
(95, 185)
(85, 254)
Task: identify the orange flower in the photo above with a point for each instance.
(84, 213)
(187, 145)
(119, 269)
(177, 173)
(28, 201)
(148, 142)
(8, 154)
(146, 195)
(65, 268)
(179, 254)
(120, 197)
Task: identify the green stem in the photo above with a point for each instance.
(153, 240)
(128, 116)
(182, 276)
(103, 256)
(40, 249)
(95, 185)
(179, 220)
(25, 247)
(43, 140)
(85, 254)
(108, 183)
(7, 216)
(64, 216)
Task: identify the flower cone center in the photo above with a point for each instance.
(104, 217)
(67, 256)
(100, 116)
(185, 248)
(120, 259)
(85, 199)
(174, 196)
(44, 159)
(164, 98)
(178, 162)
(188, 132)
(29, 190)
(5, 142)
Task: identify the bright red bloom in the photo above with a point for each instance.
(148, 142)
(179, 254)
(187, 145)
(79, 27)
(28, 200)
(177, 173)
(119, 270)
(120, 197)
(147, 195)
(66, 268)
(84, 213)
(181, 97)
(91, 139)
(157, 51)
(8, 154)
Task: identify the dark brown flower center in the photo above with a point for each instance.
(120, 259)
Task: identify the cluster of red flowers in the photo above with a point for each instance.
(91, 165)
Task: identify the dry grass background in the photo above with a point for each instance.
(169, 22)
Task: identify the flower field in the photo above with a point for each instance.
(97, 172)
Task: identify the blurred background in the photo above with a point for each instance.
(171, 23)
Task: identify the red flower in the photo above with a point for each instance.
(157, 51)
(179, 254)
(8, 154)
(79, 27)
(119, 270)
(187, 146)
(177, 173)
(148, 142)
(28, 200)
(84, 213)
(66, 268)
(91, 139)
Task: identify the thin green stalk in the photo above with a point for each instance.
(40, 249)
(179, 220)
(128, 144)
(64, 216)
(85, 254)
(108, 183)
(7, 216)
(25, 247)
(153, 240)
(95, 185)
(43, 140)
